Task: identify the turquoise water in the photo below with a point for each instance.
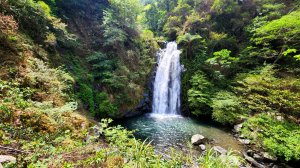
(175, 131)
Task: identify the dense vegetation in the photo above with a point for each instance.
(64, 63)
(241, 60)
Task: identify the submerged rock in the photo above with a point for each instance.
(220, 150)
(198, 139)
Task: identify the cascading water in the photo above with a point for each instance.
(166, 97)
(165, 127)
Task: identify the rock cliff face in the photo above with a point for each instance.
(145, 104)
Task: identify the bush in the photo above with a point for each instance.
(100, 65)
(14, 94)
(8, 24)
(86, 95)
(104, 108)
(199, 96)
(5, 113)
(222, 58)
(227, 108)
(280, 138)
(262, 92)
(56, 83)
(213, 160)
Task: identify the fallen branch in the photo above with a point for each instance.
(253, 161)
(12, 149)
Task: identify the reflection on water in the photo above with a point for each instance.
(176, 131)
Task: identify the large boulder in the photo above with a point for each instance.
(219, 150)
(6, 158)
(198, 139)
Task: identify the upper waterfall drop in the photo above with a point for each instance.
(167, 85)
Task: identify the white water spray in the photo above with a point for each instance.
(166, 97)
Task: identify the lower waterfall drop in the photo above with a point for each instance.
(167, 85)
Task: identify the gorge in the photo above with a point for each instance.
(165, 127)
(75, 88)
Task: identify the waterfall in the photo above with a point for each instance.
(166, 96)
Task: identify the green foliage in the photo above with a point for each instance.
(49, 79)
(199, 96)
(155, 17)
(45, 8)
(227, 108)
(113, 32)
(283, 31)
(150, 46)
(190, 43)
(222, 58)
(101, 65)
(127, 11)
(86, 95)
(291, 51)
(6, 113)
(120, 21)
(139, 154)
(36, 98)
(175, 21)
(280, 138)
(286, 28)
(212, 159)
(223, 6)
(13, 93)
(98, 103)
(104, 108)
(190, 69)
(261, 92)
(36, 20)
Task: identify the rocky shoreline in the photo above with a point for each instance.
(255, 157)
